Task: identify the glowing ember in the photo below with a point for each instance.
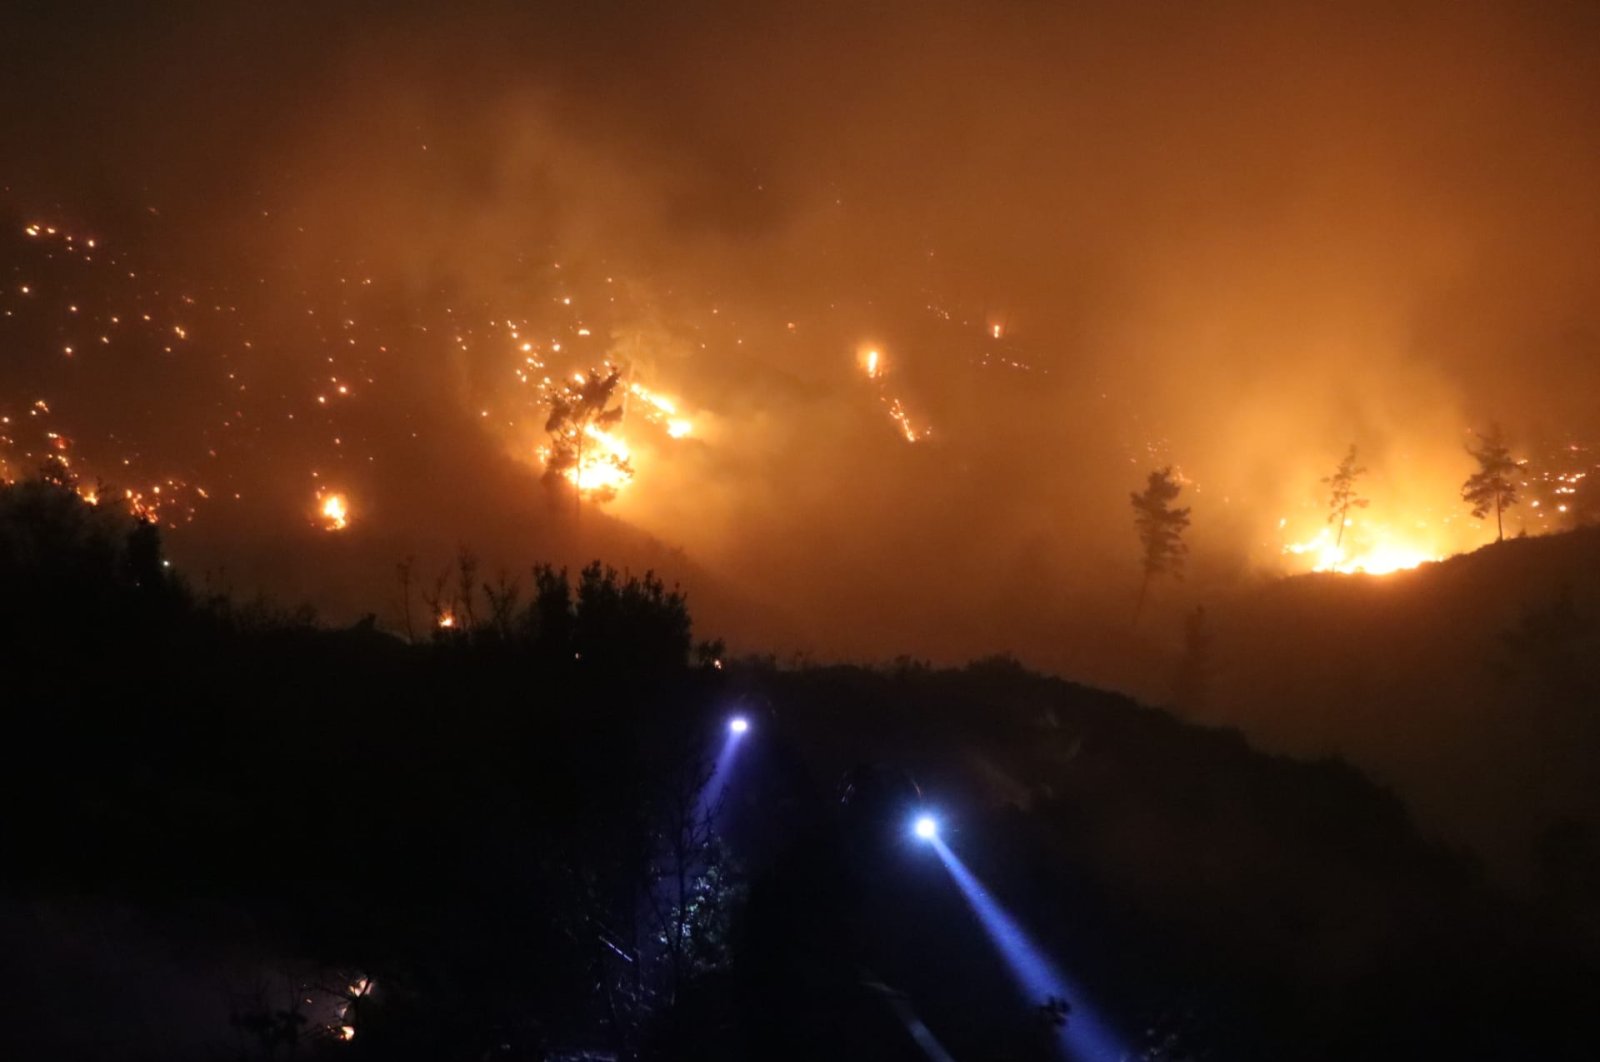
(873, 364)
(335, 513)
(343, 1026)
(897, 413)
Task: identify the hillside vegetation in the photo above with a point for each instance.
(235, 833)
(1471, 686)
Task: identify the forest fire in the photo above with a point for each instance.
(705, 404)
(587, 447)
(604, 466)
(584, 483)
(659, 409)
(1361, 554)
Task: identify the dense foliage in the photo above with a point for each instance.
(492, 840)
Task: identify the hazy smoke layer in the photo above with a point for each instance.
(1085, 243)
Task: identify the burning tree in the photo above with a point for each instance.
(1491, 487)
(1161, 529)
(580, 416)
(1343, 496)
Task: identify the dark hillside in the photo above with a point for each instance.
(1172, 860)
(1470, 686)
(233, 833)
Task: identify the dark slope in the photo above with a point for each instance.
(1174, 868)
(197, 792)
(1470, 686)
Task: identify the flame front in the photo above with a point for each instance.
(658, 409)
(1372, 551)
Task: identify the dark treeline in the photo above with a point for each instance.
(460, 820)
(492, 840)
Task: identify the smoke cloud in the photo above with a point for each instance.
(1086, 243)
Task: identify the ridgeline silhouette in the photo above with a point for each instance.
(481, 841)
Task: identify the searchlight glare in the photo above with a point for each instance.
(1087, 1036)
(926, 827)
(711, 793)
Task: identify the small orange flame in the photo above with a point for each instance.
(335, 513)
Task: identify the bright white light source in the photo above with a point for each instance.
(738, 724)
(926, 827)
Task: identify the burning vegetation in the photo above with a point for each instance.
(822, 330)
(1166, 348)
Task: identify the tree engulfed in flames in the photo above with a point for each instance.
(606, 464)
(583, 450)
(587, 449)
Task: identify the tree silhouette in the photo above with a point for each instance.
(689, 885)
(1160, 528)
(1491, 487)
(576, 413)
(66, 563)
(1343, 497)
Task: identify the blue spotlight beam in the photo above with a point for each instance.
(738, 727)
(1085, 1038)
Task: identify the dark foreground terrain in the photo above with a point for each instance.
(232, 833)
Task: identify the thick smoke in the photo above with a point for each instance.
(1234, 239)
